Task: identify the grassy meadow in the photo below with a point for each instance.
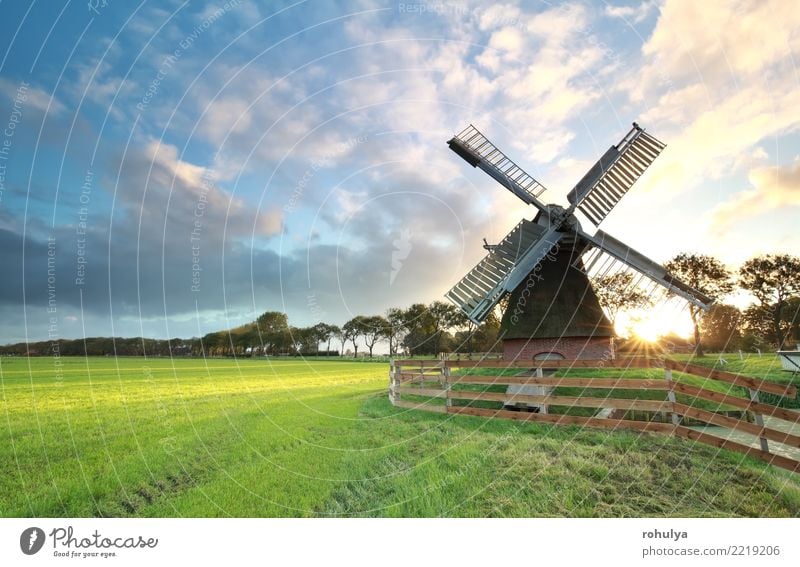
(256, 438)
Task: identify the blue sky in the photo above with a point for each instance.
(197, 164)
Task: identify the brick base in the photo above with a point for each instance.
(571, 348)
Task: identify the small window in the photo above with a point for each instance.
(548, 356)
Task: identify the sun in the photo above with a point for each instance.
(649, 330)
(652, 324)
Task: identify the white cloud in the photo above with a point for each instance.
(157, 182)
(720, 39)
(545, 67)
(717, 79)
(497, 16)
(773, 187)
(634, 13)
(30, 97)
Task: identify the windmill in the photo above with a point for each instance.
(545, 263)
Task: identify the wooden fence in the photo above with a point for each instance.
(453, 387)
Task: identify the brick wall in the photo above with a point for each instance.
(570, 348)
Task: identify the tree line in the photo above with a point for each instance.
(771, 321)
(417, 330)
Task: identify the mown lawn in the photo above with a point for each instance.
(135, 437)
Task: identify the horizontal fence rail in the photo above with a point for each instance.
(458, 387)
(730, 378)
(633, 362)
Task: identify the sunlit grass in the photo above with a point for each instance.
(129, 437)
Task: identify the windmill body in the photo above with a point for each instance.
(545, 263)
(555, 313)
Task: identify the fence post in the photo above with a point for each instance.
(759, 420)
(544, 408)
(393, 395)
(446, 375)
(676, 419)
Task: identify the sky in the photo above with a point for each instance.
(169, 168)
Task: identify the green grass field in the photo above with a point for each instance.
(135, 437)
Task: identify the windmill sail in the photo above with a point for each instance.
(644, 265)
(502, 269)
(510, 262)
(614, 174)
(478, 151)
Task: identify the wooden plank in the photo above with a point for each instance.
(408, 372)
(582, 402)
(420, 363)
(408, 378)
(764, 409)
(476, 356)
(632, 362)
(738, 425)
(609, 383)
(416, 406)
(771, 458)
(730, 378)
(638, 362)
(427, 392)
(557, 419)
(418, 374)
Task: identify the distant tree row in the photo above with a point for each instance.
(422, 329)
(419, 329)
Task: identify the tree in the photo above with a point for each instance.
(752, 342)
(305, 339)
(372, 329)
(246, 338)
(211, 342)
(705, 274)
(443, 316)
(721, 328)
(351, 331)
(273, 330)
(341, 336)
(486, 335)
(419, 329)
(325, 333)
(394, 330)
(272, 321)
(791, 315)
(618, 292)
(463, 338)
(427, 325)
(772, 279)
(758, 321)
(479, 338)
